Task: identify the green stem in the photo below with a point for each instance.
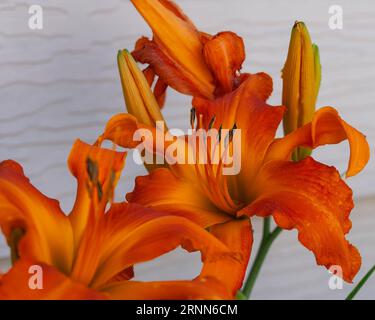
(360, 284)
(265, 244)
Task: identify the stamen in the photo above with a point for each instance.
(212, 121)
(219, 133)
(192, 117)
(200, 121)
(229, 137)
(231, 132)
(213, 183)
(223, 182)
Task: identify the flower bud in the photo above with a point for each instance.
(301, 81)
(139, 99)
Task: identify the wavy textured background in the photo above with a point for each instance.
(62, 83)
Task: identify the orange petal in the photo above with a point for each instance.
(126, 274)
(327, 127)
(47, 231)
(97, 171)
(163, 191)
(149, 75)
(154, 238)
(160, 91)
(168, 290)
(170, 72)
(224, 54)
(108, 165)
(312, 198)
(103, 237)
(176, 51)
(246, 108)
(120, 130)
(121, 218)
(238, 236)
(14, 285)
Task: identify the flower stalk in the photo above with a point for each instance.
(268, 238)
(360, 284)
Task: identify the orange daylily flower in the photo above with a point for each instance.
(307, 195)
(190, 61)
(90, 253)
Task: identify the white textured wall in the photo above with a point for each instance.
(62, 83)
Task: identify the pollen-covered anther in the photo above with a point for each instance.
(219, 132)
(212, 122)
(231, 133)
(92, 169)
(192, 117)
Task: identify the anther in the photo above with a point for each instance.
(192, 117)
(92, 169)
(231, 132)
(100, 190)
(219, 133)
(212, 121)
